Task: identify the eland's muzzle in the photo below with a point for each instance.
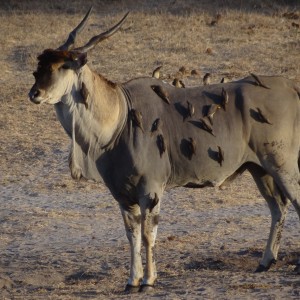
(34, 95)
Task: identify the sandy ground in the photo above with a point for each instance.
(62, 239)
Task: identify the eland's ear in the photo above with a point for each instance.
(82, 59)
(77, 61)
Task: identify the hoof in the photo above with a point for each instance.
(130, 289)
(145, 288)
(262, 268)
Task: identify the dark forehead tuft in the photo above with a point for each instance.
(50, 56)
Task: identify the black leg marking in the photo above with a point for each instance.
(146, 288)
(130, 289)
(262, 268)
(154, 202)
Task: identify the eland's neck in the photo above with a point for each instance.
(100, 115)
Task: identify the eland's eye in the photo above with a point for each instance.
(65, 66)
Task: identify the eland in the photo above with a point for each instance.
(144, 136)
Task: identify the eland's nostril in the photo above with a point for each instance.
(33, 94)
(36, 93)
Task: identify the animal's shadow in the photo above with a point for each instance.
(214, 155)
(185, 148)
(182, 110)
(205, 110)
(208, 264)
(255, 115)
(85, 276)
(216, 98)
(198, 124)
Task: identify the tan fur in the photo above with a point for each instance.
(103, 103)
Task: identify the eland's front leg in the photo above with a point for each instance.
(132, 221)
(150, 207)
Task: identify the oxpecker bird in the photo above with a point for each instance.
(258, 81)
(156, 125)
(262, 117)
(161, 93)
(182, 69)
(211, 111)
(224, 80)
(160, 141)
(225, 99)
(182, 83)
(136, 117)
(190, 109)
(206, 79)
(206, 125)
(156, 73)
(178, 83)
(195, 72)
(191, 148)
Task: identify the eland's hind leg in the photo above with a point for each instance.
(287, 178)
(278, 205)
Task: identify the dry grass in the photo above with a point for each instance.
(251, 36)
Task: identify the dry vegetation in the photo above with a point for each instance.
(61, 239)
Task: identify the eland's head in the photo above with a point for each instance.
(58, 69)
